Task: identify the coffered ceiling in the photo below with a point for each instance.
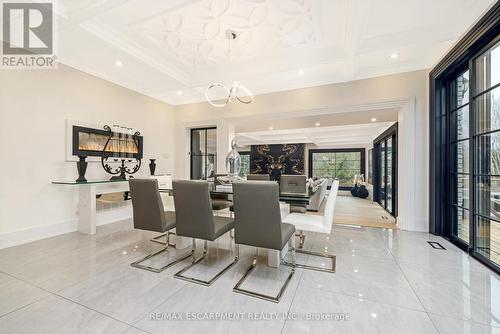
(328, 136)
(172, 50)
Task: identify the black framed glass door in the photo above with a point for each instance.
(486, 138)
(474, 155)
(459, 157)
(465, 142)
(385, 170)
(203, 153)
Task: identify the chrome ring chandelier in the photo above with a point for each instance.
(233, 93)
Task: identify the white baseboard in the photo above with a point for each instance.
(103, 217)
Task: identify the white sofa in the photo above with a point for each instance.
(318, 196)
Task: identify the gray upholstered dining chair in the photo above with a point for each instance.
(258, 224)
(149, 215)
(195, 219)
(294, 184)
(258, 177)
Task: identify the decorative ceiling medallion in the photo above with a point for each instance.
(194, 34)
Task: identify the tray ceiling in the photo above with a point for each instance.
(171, 50)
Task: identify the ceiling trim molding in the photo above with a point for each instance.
(109, 35)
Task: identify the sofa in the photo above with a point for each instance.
(319, 195)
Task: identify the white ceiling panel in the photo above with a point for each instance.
(180, 45)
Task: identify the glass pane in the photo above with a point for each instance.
(488, 69)
(211, 141)
(461, 85)
(211, 167)
(488, 196)
(460, 225)
(460, 126)
(460, 190)
(488, 157)
(389, 174)
(198, 142)
(341, 165)
(245, 164)
(488, 111)
(460, 156)
(198, 167)
(488, 238)
(382, 175)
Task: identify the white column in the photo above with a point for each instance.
(406, 168)
(87, 209)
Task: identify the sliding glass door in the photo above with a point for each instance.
(459, 157)
(486, 100)
(474, 155)
(203, 153)
(385, 170)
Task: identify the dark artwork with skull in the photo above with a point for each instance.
(277, 159)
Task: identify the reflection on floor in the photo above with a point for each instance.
(488, 241)
(351, 210)
(387, 281)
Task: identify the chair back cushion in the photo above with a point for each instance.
(193, 209)
(258, 177)
(330, 205)
(296, 184)
(147, 205)
(257, 214)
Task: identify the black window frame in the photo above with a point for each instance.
(205, 155)
(362, 167)
(483, 35)
(391, 132)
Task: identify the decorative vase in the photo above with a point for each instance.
(233, 161)
(354, 190)
(362, 192)
(152, 166)
(81, 166)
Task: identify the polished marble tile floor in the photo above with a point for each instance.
(387, 281)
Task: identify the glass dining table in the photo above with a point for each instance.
(301, 199)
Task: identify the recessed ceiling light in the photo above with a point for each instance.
(118, 63)
(373, 119)
(300, 72)
(394, 55)
(317, 124)
(271, 128)
(179, 92)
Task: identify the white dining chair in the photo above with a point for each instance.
(318, 224)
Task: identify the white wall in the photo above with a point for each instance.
(405, 91)
(34, 106)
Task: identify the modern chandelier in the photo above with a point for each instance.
(237, 90)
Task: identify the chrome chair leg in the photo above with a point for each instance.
(137, 264)
(167, 237)
(237, 288)
(305, 266)
(302, 239)
(209, 282)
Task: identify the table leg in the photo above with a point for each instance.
(274, 257)
(87, 209)
(182, 242)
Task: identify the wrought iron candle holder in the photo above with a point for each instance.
(126, 144)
